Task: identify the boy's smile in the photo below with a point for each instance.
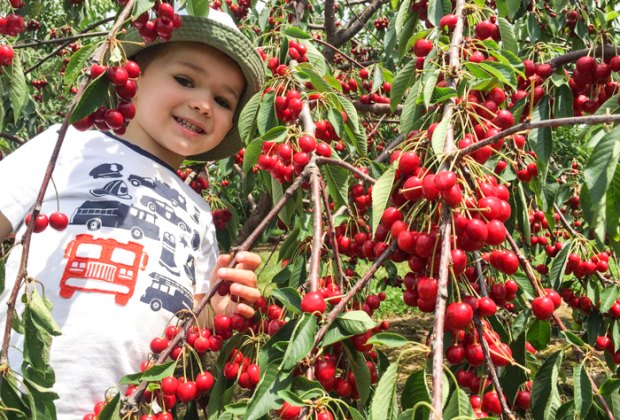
(186, 100)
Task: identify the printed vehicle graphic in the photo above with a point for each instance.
(95, 214)
(161, 188)
(102, 265)
(164, 210)
(165, 293)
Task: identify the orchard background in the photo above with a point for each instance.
(460, 158)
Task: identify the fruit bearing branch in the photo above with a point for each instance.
(22, 272)
(446, 220)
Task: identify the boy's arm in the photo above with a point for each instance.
(243, 285)
(5, 227)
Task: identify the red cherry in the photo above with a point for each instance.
(204, 381)
(307, 143)
(114, 119)
(159, 344)
(408, 163)
(313, 302)
(169, 385)
(186, 391)
(6, 55)
(222, 323)
(40, 223)
(231, 370)
(289, 412)
(58, 220)
(603, 342)
(444, 180)
(391, 215)
(490, 403)
(422, 47)
(459, 315)
(455, 354)
(474, 354)
(117, 75)
(448, 21)
(477, 230)
(364, 74)
(542, 307)
(486, 306)
(523, 400)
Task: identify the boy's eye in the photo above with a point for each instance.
(223, 102)
(183, 81)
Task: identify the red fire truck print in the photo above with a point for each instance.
(102, 265)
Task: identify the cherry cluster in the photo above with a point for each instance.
(239, 368)
(198, 184)
(591, 83)
(57, 220)
(123, 80)
(297, 51)
(276, 68)
(162, 26)
(12, 25)
(381, 23)
(288, 106)
(240, 10)
(221, 218)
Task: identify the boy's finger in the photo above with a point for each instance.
(244, 310)
(250, 260)
(235, 275)
(250, 294)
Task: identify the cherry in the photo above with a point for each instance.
(427, 288)
(133, 69)
(204, 381)
(542, 307)
(324, 414)
(408, 163)
(215, 343)
(474, 354)
(186, 390)
(307, 143)
(555, 297)
(117, 75)
(422, 47)
(455, 354)
(429, 189)
(58, 220)
(523, 400)
(586, 65)
(490, 403)
(459, 315)
(40, 223)
(603, 342)
(477, 230)
(364, 74)
(254, 373)
(222, 323)
(496, 232)
(288, 412)
(486, 306)
(444, 180)
(114, 119)
(391, 215)
(6, 55)
(448, 21)
(172, 331)
(313, 302)
(412, 189)
(325, 369)
(202, 344)
(169, 385)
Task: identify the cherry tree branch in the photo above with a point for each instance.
(529, 125)
(12, 137)
(317, 221)
(332, 235)
(22, 271)
(378, 109)
(361, 283)
(606, 50)
(446, 220)
(357, 24)
(339, 51)
(66, 40)
(529, 272)
(330, 23)
(348, 166)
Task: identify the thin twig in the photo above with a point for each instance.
(348, 166)
(12, 137)
(66, 40)
(332, 235)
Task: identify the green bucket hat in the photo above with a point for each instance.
(218, 30)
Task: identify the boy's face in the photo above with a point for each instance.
(186, 100)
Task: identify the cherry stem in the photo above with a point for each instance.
(22, 272)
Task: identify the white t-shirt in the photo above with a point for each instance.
(139, 244)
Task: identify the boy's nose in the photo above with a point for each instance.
(203, 106)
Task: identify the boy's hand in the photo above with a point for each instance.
(243, 284)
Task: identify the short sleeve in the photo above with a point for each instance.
(22, 174)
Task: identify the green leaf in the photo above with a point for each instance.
(377, 79)
(573, 338)
(289, 297)
(266, 118)
(295, 32)
(503, 72)
(610, 385)
(513, 7)
(141, 6)
(601, 166)
(391, 340)
(315, 57)
(439, 136)
(381, 192)
(563, 102)
(335, 333)
(247, 118)
(558, 266)
(545, 395)
(355, 322)
(429, 82)
(458, 405)
(615, 334)
(301, 342)
(507, 35)
(403, 80)
(582, 390)
(435, 11)
(111, 411)
(337, 183)
(41, 314)
(265, 397)
(198, 7)
(159, 372)
(383, 405)
(609, 296)
(94, 95)
(78, 61)
(252, 152)
(406, 23)
(415, 391)
(539, 334)
(612, 202)
(316, 79)
(412, 111)
(17, 87)
(541, 139)
(360, 371)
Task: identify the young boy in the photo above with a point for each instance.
(140, 245)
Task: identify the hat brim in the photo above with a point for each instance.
(232, 43)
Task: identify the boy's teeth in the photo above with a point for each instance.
(188, 125)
